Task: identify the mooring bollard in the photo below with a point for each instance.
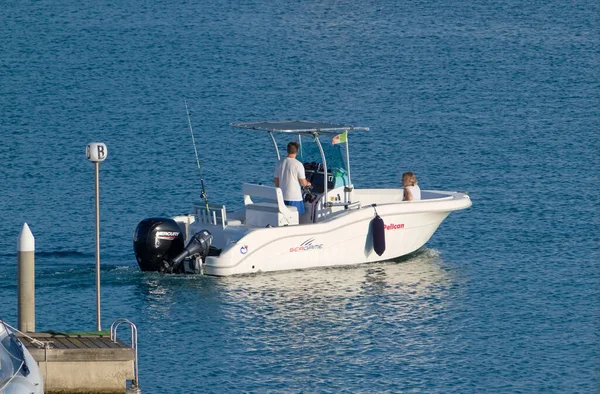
(26, 277)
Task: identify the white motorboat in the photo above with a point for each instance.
(342, 224)
(19, 373)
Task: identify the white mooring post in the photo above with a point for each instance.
(96, 152)
(26, 274)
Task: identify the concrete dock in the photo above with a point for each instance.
(81, 364)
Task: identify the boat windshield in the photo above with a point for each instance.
(334, 154)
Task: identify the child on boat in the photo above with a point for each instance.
(412, 192)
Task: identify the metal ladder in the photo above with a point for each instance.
(134, 345)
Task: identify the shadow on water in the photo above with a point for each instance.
(409, 282)
(416, 273)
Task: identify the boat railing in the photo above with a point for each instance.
(214, 214)
(134, 344)
(346, 205)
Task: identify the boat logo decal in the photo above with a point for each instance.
(244, 249)
(393, 226)
(167, 234)
(306, 246)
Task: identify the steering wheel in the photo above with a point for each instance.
(308, 196)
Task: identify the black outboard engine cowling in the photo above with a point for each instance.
(156, 241)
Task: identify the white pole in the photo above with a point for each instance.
(97, 176)
(26, 274)
(96, 152)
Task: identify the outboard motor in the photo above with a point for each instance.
(156, 241)
(199, 245)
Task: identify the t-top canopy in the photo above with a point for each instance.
(298, 126)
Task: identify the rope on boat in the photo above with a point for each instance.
(37, 343)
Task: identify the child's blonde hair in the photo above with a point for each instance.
(410, 177)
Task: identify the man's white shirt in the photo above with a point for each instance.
(290, 171)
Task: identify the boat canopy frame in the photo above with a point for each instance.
(310, 129)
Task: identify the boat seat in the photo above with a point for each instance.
(271, 210)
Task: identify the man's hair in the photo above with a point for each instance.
(293, 147)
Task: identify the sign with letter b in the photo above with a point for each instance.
(96, 152)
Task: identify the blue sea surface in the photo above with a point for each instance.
(501, 99)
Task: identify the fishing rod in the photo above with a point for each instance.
(203, 194)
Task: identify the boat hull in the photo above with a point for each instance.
(344, 239)
(19, 372)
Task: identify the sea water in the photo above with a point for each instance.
(500, 99)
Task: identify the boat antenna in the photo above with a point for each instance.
(203, 193)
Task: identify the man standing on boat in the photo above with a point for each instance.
(289, 176)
